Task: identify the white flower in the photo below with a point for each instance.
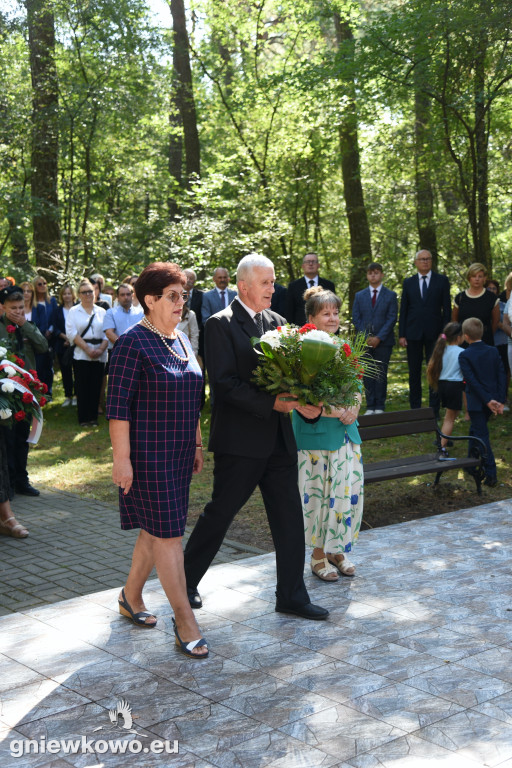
(5, 413)
(272, 338)
(319, 336)
(7, 386)
(9, 370)
(3, 351)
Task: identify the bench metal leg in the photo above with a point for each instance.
(438, 477)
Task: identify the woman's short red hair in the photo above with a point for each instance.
(153, 280)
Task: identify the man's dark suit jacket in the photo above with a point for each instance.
(424, 319)
(243, 420)
(379, 320)
(295, 302)
(484, 375)
(278, 303)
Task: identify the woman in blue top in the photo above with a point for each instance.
(330, 466)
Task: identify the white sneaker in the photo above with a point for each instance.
(66, 402)
(369, 412)
(73, 401)
(378, 411)
(506, 407)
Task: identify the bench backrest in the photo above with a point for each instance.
(396, 423)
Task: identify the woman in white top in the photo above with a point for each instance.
(188, 326)
(84, 329)
(29, 298)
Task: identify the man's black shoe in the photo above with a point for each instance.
(194, 598)
(27, 490)
(307, 611)
(491, 481)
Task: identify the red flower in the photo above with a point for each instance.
(278, 328)
(43, 388)
(27, 397)
(34, 373)
(10, 329)
(359, 375)
(307, 327)
(20, 415)
(347, 350)
(42, 401)
(19, 361)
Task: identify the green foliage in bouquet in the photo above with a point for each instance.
(313, 367)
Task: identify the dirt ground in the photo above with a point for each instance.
(385, 504)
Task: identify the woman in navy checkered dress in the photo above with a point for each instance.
(153, 403)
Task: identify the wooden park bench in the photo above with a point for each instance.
(395, 424)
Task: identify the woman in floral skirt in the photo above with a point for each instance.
(330, 466)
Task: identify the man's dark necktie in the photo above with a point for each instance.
(374, 297)
(223, 299)
(259, 323)
(311, 283)
(424, 287)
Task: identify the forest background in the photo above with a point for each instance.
(359, 130)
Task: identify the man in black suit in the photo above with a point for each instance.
(295, 299)
(253, 443)
(425, 309)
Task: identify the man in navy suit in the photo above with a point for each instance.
(486, 388)
(375, 312)
(219, 297)
(295, 297)
(425, 309)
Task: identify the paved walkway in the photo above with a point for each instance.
(75, 547)
(412, 669)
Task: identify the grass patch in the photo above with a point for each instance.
(79, 460)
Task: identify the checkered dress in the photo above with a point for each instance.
(160, 396)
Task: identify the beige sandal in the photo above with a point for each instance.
(17, 531)
(345, 567)
(323, 569)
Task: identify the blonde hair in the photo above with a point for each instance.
(474, 269)
(28, 284)
(474, 328)
(317, 298)
(65, 287)
(508, 282)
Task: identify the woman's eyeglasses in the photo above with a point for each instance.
(174, 296)
(86, 293)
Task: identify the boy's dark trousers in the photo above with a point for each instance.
(480, 429)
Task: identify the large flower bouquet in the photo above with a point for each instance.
(312, 365)
(21, 392)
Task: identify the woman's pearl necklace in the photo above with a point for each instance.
(147, 322)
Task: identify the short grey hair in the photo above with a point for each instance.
(248, 263)
(421, 251)
(191, 272)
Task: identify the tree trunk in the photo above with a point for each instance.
(427, 237)
(181, 65)
(360, 241)
(45, 145)
(175, 149)
(482, 244)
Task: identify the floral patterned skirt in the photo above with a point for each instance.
(332, 489)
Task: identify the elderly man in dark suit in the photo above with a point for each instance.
(253, 444)
(295, 298)
(219, 297)
(375, 312)
(425, 309)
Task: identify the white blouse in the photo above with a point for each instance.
(76, 323)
